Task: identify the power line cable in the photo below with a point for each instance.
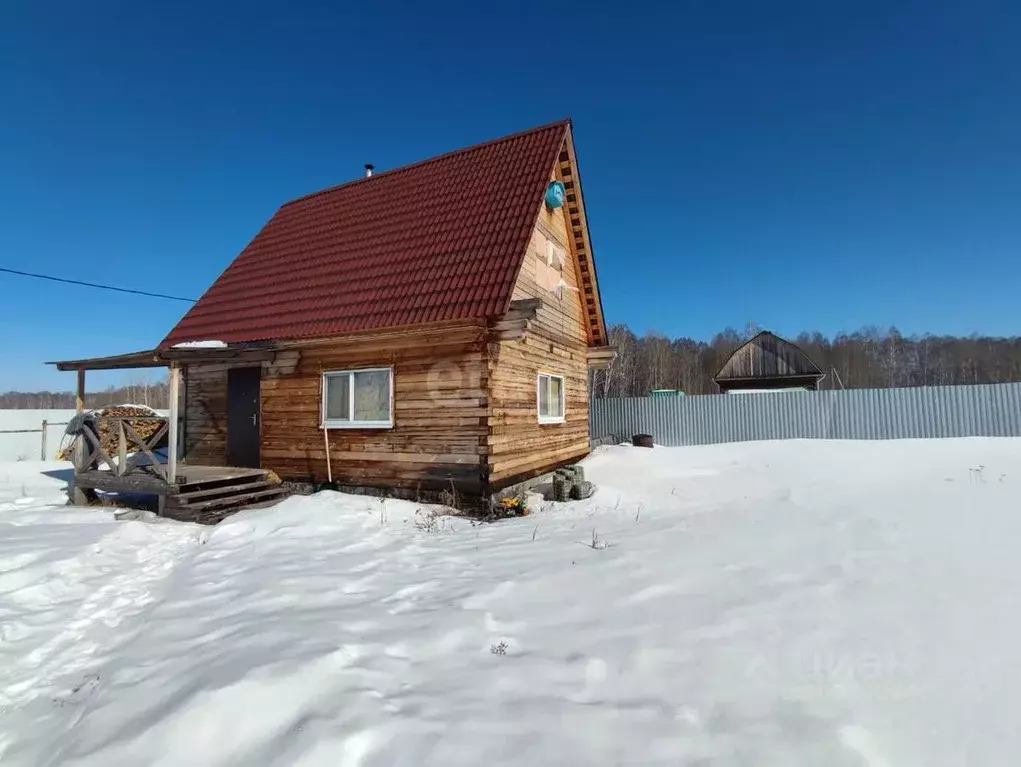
(95, 285)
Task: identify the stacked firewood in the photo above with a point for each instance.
(148, 423)
(108, 436)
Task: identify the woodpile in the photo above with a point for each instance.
(147, 423)
(145, 427)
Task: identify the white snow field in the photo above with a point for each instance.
(27, 446)
(844, 604)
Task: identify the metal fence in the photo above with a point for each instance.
(986, 410)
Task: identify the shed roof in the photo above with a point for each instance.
(767, 356)
(441, 239)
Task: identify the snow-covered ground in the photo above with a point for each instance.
(793, 603)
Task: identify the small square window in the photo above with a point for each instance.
(550, 398)
(358, 399)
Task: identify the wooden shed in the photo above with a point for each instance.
(768, 362)
(425, 328)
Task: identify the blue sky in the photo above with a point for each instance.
(801, 165)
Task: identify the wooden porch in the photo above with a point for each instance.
(138, 455)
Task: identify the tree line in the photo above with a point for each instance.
(153, 394)
(868, 358)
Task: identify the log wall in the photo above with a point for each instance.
(440, 411)
(205, 413)
(557, 342)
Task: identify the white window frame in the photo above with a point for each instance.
(538, 397)
(337, 423)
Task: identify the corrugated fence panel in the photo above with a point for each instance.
(982, 410)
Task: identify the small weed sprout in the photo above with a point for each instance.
(427, 522)
(447, 498)
(454, 502)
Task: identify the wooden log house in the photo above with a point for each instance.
(426, 328)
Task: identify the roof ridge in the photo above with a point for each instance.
(564, 122)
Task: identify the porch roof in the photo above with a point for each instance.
(155, 358)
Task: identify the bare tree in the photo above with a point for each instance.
(866, 358)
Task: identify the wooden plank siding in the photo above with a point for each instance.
(205, 415)
(440, 409)
(557, 343)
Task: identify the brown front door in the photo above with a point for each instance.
(243, 416)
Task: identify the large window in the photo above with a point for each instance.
(358, 399)
(551, 398)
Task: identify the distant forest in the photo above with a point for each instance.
(868, 358)
(155, 395)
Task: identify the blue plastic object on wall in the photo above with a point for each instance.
(555, 194)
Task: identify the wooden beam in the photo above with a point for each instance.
(144, 446)
(581, 243)
(79, 400)
(514, 325)
(122, 449)
(526, 305)
(503, 324)
(599, 357)
(283, 364)
(98, 446)
(199, 356)
(175, 392)
(144, 359)
(525, 309)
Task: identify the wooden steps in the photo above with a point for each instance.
(208, 500)
(203, 494)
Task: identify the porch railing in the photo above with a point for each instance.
(89, 453)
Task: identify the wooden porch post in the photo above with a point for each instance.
(78, 496)
(175, 391)
(79, 400)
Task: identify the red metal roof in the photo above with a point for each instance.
(442, 239)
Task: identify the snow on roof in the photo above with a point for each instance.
(200, 345)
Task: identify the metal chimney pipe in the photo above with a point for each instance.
(369, 167)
